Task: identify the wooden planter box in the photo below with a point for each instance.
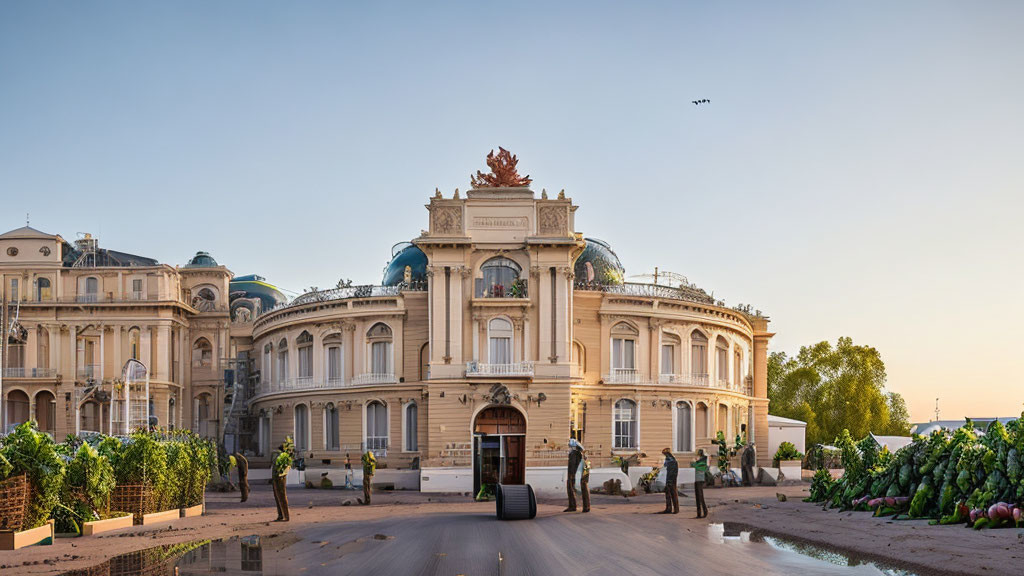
(13, 540)
(197, 510)
(90, 528)
(157, 517)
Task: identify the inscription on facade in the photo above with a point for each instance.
(497, 222)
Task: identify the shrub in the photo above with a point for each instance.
(787, 451)
(87, 486)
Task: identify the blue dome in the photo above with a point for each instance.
(599, 264)
(202, 260)
(405, 254)
(253, 286)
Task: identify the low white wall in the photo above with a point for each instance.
(401, 479)
(446, 480)
(779, 434)
(791, 469)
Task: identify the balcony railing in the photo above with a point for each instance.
(86, 371)
(30, 372)
(625, 376)
(515, 369)
(516, 290)
(684, 379)
(374, 378)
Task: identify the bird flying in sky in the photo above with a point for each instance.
(699, 102)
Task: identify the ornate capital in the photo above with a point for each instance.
(465, 271)
(567, 271)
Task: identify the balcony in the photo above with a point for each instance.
(87, 371)
(374, 378)
(516, 289)
(625, 376)
(30, 372)
(513, 370)
(700, 380)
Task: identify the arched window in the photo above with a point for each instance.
(499, 277)
(411, 427)
(266, 372)
(379, 338)
(205, 299)
(376, 426)
(579, 358)
(202, 353)
(425, 362)
(331, 427)
(304, 345)
(669, 345)
(333, 358)
(301, 428)
(722, 422)
(499, 337)
(737, 366)
(282, 361)
(89, 289)
(625, 420)
(43, 291)
(684, 427)
(703, 424)
(624, 338)
(133, 345)
(721, 359)
(698, 355)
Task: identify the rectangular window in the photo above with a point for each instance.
(501, 350)
(14, 290)
(381, 357)
(306, 362)
(411, 424)
(623, 354)
(668, 359)
(334, 363)
(376, 426)
(699, 360)
(722, 364)
(282, 367)
(137, 289)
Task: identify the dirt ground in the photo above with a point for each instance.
(911, 544)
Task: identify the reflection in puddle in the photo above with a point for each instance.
(724, 533)
(237, 554)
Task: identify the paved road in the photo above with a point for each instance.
(553, 543)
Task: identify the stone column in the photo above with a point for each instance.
(760, 402)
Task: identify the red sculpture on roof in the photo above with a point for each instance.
(503, 172)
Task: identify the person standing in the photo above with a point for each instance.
(700, 474)
(243, 475)
(671, 483)
(749, 461)
(575, 457)
(282, 463)
(585, 481)
(369, 468)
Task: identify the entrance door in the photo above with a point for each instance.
(499, 447)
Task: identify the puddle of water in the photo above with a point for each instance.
(197, 557)
(809, 553)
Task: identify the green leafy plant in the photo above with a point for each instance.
(85, 496)
(33, 453)
(787, 451)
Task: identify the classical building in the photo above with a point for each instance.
(495, 336)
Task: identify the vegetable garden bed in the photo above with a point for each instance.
(11, 540)
(99, 526)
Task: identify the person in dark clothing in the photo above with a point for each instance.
(671, 483)
(575, 457)
(585, 482)
(748, 461)
(700, 474)
(243, 475)
(279, 469)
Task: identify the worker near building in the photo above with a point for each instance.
(671, 483)
(585, 480)
(282, 464)
(700, 474)
(243, 475)
(575, 458)
(369, 468)
(748, 460)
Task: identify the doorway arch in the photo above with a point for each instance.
(499, 447)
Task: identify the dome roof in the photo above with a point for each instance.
(405, 254)
(598, 263)
(253, 286)
(202, 260)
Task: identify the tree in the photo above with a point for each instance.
(835, 388)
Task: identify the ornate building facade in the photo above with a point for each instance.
(495, 336)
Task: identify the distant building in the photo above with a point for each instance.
(785, 430)
(980, 424)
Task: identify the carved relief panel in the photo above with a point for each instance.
(553, 220)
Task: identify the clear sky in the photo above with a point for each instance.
(858, 171)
